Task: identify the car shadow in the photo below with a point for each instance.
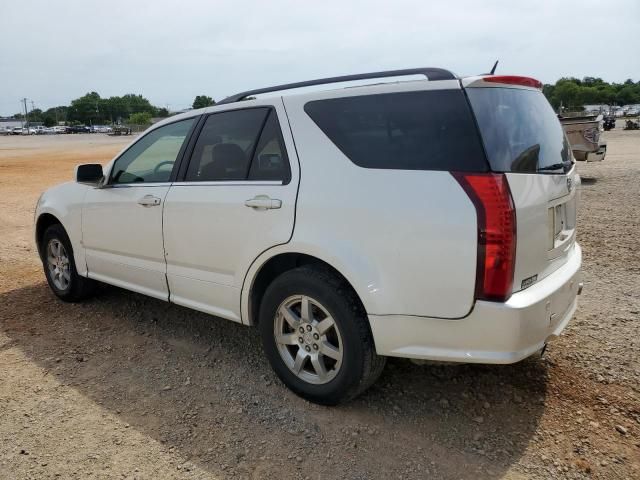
(588, 180)
(201, 385)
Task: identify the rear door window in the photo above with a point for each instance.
(520, 130)
(426, 130)
(270, 160)
(225, 146)
(240, 145)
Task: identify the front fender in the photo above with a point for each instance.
(64, 202)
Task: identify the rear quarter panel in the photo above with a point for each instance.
(406, 240)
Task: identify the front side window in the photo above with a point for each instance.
(152, 157)
(239, 145)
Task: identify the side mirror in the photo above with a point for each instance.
(89, 174)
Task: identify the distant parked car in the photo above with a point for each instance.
(101, 129)
(79, 129)
(60, 129)
(6, 131)
(23, 131)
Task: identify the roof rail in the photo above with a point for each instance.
(430, 73)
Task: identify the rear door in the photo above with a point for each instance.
(236, 199)
(524, 139)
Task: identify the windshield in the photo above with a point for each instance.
(520, 130)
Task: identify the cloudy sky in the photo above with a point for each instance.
(172, 50)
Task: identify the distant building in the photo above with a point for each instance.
(9, 123)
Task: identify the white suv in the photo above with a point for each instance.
(430, 219)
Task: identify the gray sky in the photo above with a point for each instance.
(172, 50)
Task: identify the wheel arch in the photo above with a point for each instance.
(44, 221)
(260, 277)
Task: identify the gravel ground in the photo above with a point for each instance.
(125, 386)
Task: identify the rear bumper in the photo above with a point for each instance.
(493, 332)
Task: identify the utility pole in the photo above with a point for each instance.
(26, 113)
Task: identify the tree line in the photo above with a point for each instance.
(568, 92)
(91, 109)
(573, 93)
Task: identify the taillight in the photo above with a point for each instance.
(491, 196)
(514, 80)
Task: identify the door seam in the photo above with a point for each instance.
(164, 249)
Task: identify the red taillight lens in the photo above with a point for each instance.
(514, 80)
(491, 196)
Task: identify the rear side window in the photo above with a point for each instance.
(520, 130)
(428, 130)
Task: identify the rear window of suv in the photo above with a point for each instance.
(520, 130)
(426, 130)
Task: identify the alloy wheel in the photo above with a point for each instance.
(58, 264)
(308, 339)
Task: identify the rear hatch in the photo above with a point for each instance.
(524, 140)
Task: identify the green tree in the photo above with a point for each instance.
(163, 112)
(140, 118)
(628, 94)
(56, 114)
(91, 108)
(574, 93)
(202, 101)
(35, 115)
(86, 109)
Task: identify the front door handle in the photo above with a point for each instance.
(149, 201)
(263, 202)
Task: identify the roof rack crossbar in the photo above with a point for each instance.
(430, 73)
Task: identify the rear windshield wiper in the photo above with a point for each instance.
(555, 166)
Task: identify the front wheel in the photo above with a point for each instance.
(60, 268)
(316, 336)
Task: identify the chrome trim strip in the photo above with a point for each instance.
(227, 183)
(141, 184)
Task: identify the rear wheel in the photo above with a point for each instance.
(316, 336)
(60, 268)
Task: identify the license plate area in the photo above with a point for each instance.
(560, 230)
(561, 226)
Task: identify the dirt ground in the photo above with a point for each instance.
(125, 386)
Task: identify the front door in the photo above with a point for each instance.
(237, 200)
(122, 221)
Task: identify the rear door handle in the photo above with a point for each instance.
(149, 201)
(263, 202)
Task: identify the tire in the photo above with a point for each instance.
(339, 361)
(60, 267)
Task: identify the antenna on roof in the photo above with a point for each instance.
(493, 70)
